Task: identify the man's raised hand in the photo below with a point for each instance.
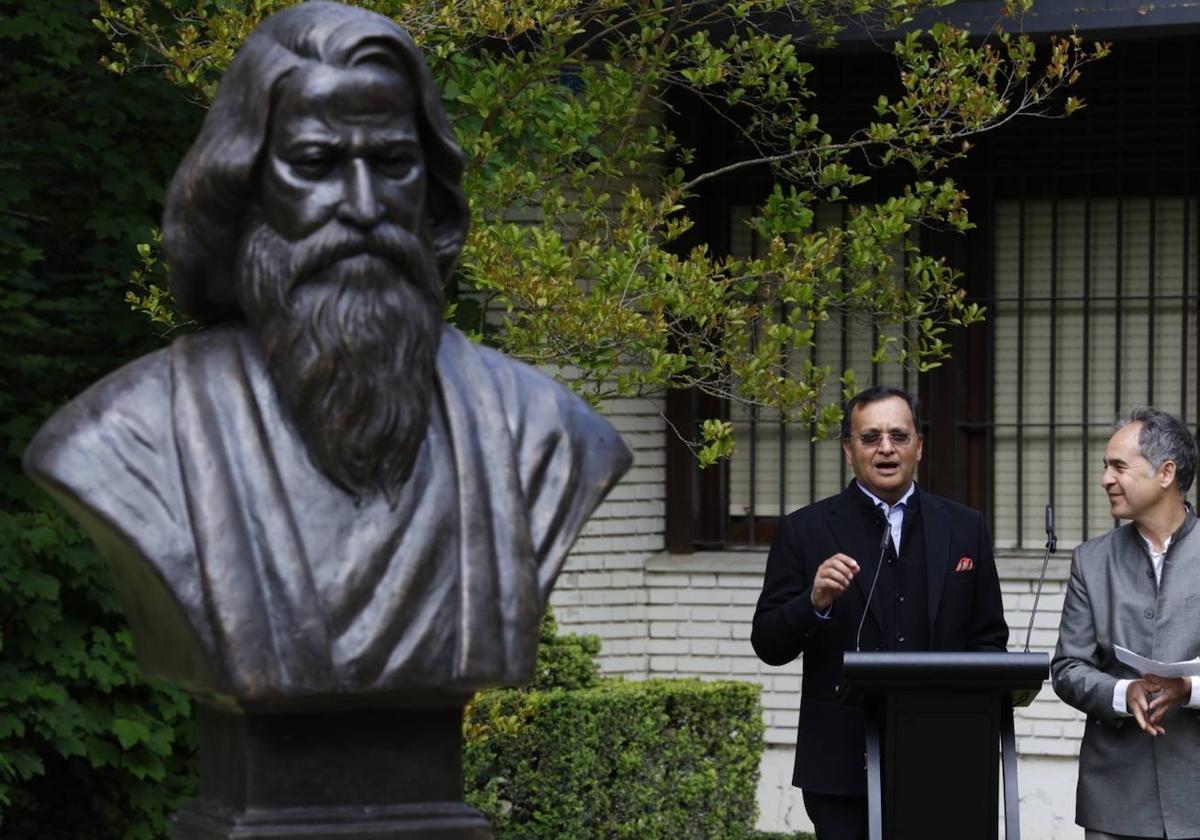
(832, 578)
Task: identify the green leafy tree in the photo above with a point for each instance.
(579, 191)
(87, 749)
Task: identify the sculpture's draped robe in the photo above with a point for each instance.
(247, 574)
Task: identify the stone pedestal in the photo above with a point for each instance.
(375, 774)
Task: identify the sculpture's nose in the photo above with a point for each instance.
(360, 205)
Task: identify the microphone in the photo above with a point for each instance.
(883, 547)
(1051, 539)
(1051, 547)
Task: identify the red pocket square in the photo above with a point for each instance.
(965, 564)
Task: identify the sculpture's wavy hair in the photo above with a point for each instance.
(211, 192)
(1164, 437)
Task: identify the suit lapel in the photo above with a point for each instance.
(845, 523)
(935, 521)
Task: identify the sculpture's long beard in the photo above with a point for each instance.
(349, 323)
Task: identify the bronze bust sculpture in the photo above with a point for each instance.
(327, 493)
(328, 515)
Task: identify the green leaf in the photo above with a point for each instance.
(130, 732)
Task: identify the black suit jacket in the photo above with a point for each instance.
(965, 613)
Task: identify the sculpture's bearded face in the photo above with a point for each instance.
(337, 275)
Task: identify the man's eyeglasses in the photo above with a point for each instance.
(873, 439)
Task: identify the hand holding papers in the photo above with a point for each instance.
(1162, 686)
(1169, 670)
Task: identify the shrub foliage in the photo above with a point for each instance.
(580, 756)
(87, 750)
(656, 759)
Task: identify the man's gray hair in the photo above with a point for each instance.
(1164, 437)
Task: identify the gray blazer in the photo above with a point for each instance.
(1129, 782)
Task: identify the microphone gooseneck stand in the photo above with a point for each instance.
(883, 547)
(1051, 547)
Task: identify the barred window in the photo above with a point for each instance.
(1094, 314)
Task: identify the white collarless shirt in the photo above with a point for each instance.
(1121, 689)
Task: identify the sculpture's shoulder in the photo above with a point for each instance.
(516, 380)
(123, 418)
(126, 418)
(536, 407)
(110, 455)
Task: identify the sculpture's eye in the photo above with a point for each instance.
(395, 162)
(314, 162)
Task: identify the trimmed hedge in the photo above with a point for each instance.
(658, 759)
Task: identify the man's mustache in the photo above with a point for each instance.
(335, 242)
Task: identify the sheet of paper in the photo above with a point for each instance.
(1145, 666)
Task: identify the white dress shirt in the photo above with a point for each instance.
(894, 513)
(895, 518)
(1121, 689)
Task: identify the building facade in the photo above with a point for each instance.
(1085, 253)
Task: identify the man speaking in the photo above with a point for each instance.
(935, 588)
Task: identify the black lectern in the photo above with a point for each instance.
(933, 724)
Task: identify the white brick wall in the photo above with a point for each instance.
(601, 589)
(1048, 726)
